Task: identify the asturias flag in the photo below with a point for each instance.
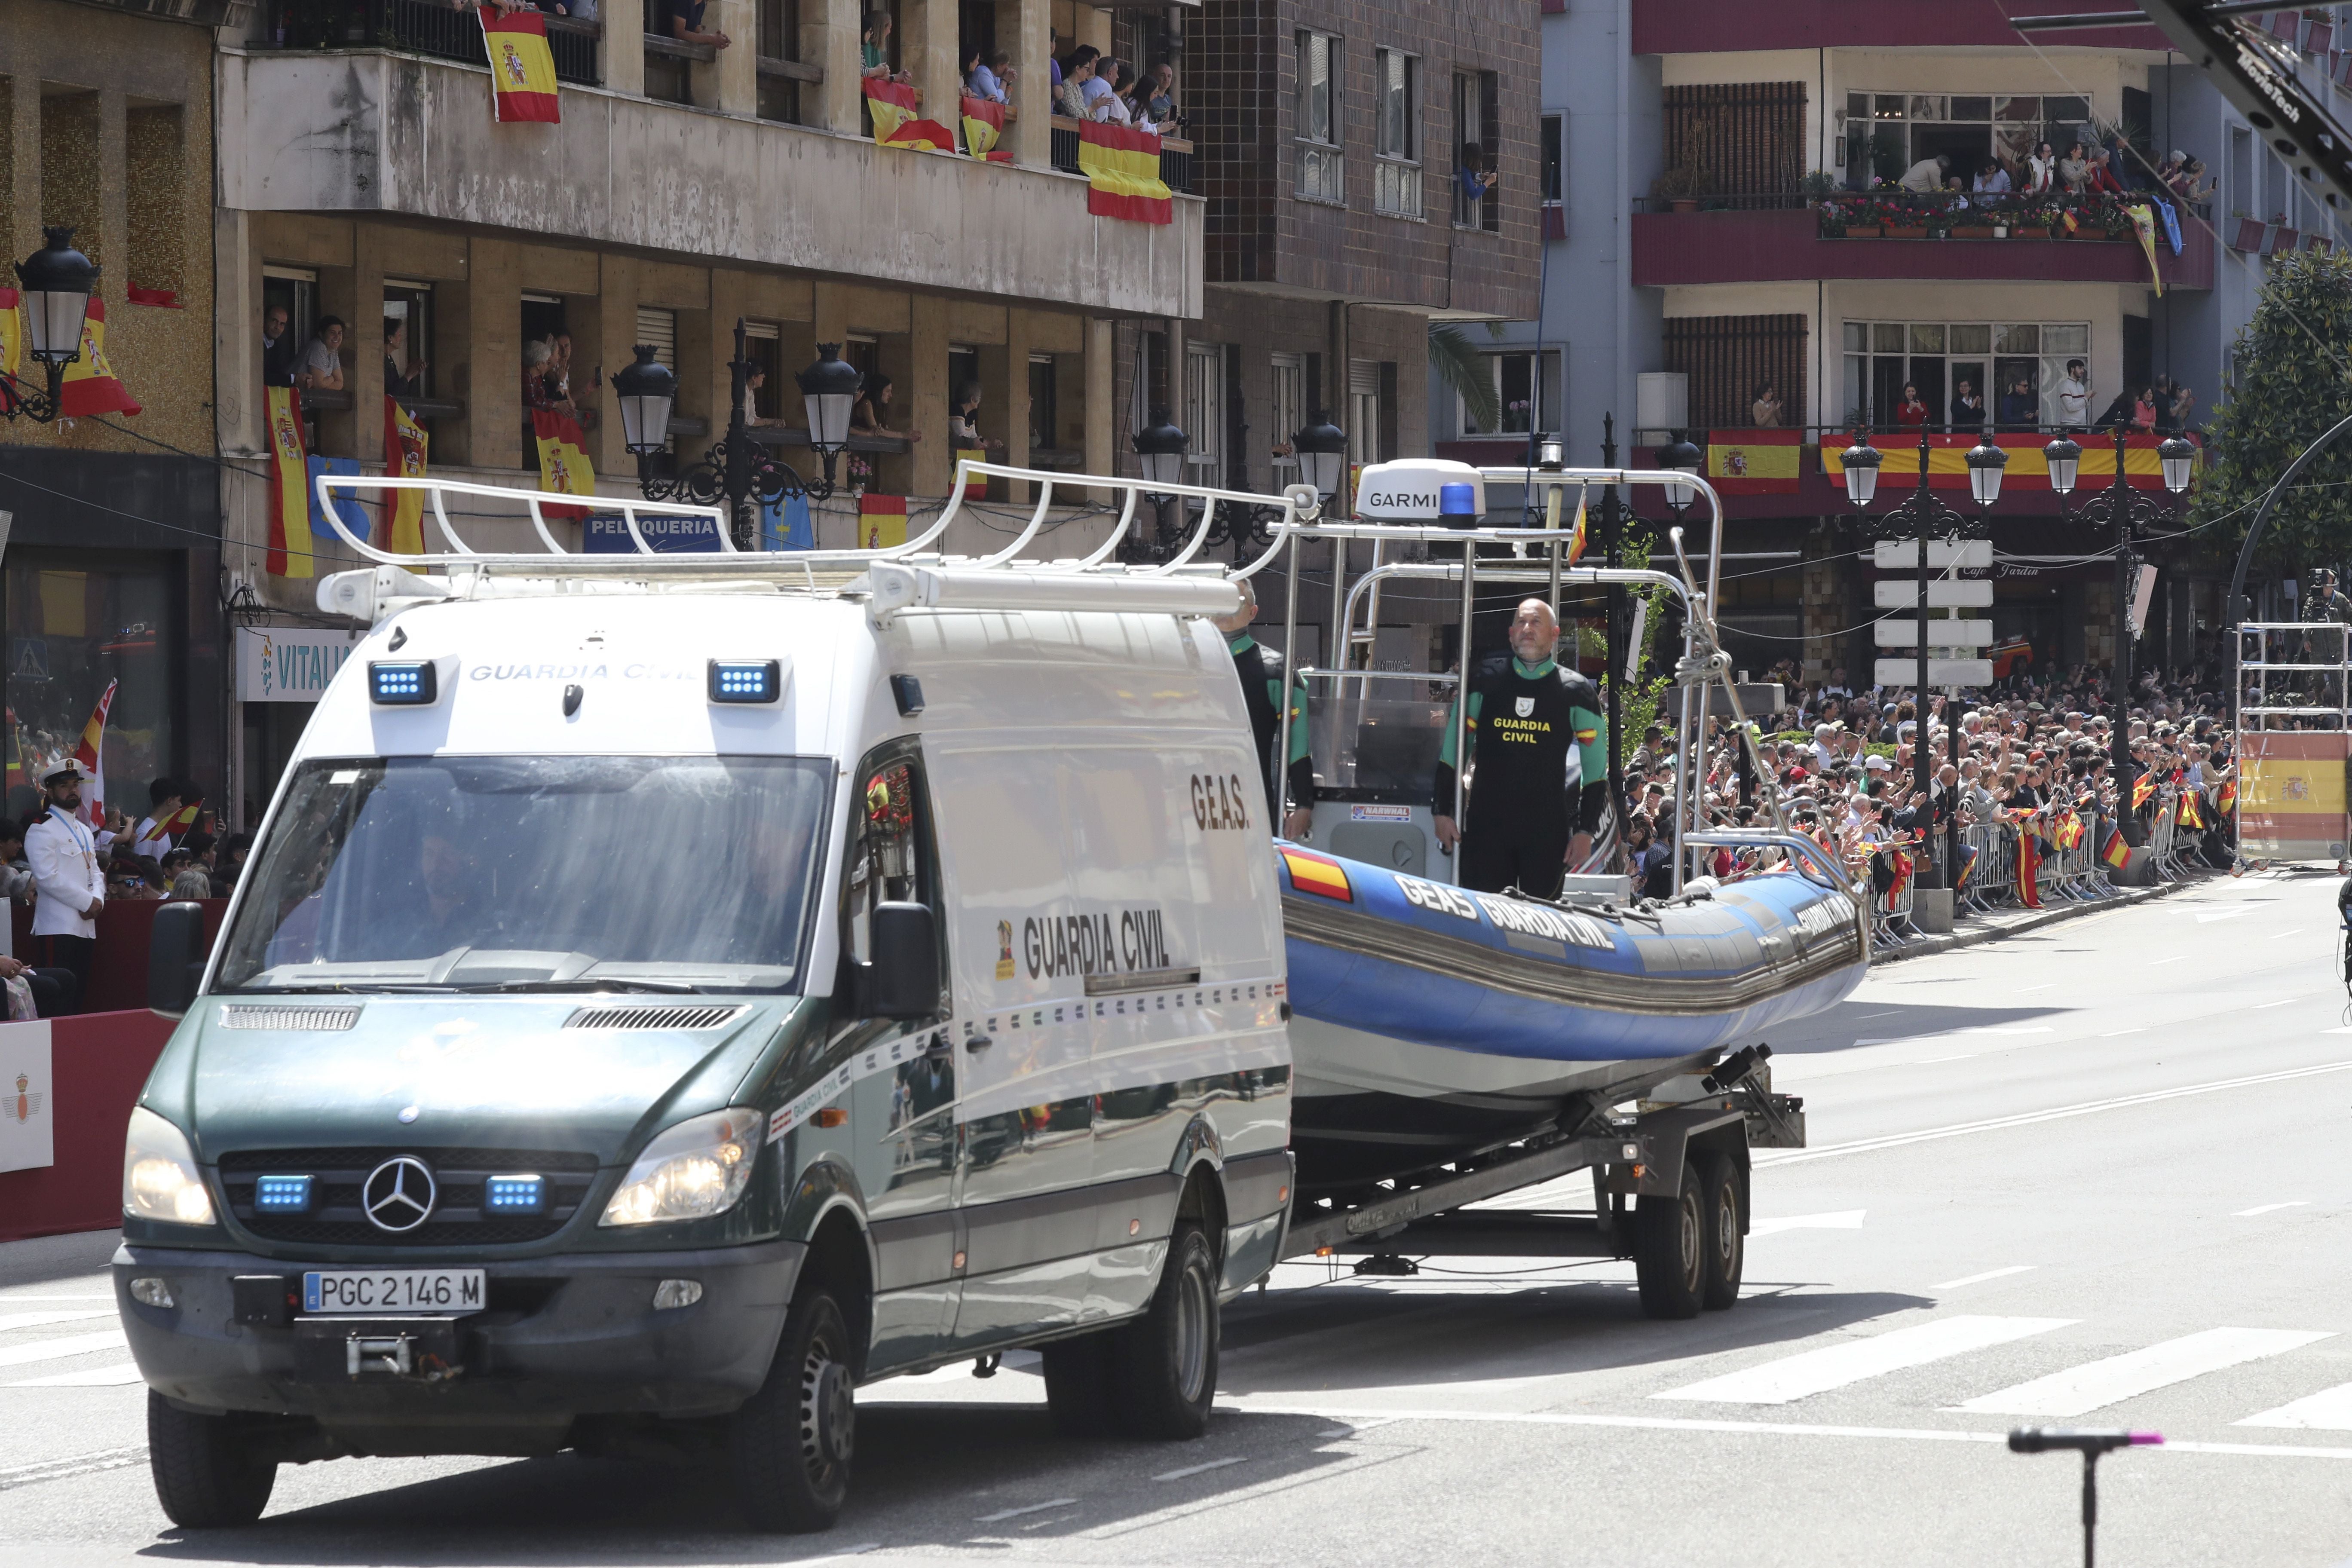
(563, 464)
(405, 445)
(881, 521)
(90, 385)
(522, 71)
(983, 127)
(92, 755)
(288, 480)
(1122, 170)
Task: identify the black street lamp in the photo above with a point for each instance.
(829, 389)
(57, 282)
(1682, 457)
(1920, 518)
(1321, 448)
(735, 469)
(2131, 515)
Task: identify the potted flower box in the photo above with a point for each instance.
(1975, 231)
(1907, 231)
(1861, 231)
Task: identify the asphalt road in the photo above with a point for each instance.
(2097, 1176)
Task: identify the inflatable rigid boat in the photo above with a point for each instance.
(1430, 1022)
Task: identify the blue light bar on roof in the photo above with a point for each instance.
(402, 683)
(745, 679)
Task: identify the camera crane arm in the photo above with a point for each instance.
(2253, 72)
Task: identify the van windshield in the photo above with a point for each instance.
(535, 873)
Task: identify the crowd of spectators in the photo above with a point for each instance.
(2112, 167)
(2032, 755)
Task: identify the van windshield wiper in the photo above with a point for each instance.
(673, 987)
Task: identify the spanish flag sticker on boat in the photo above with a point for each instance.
(1314, 874)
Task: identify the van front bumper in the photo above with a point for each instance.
(564, 1336)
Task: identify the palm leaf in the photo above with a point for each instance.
(1462, 370)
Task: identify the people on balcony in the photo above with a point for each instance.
(1927, 176)
(1967, 407)
(964, 427)
(278, 355)
(1160, 98)
(2019, 409)
(321, 365)
(2073, 171)
(2040, 169)
(873, 50)
(2102, 175)
(2074, 395)
(1911, 413)
(871, 413)
(399, 381)
(1077, 72)
(1477, 179)
(1992, 179)
(1764, 409)
(752, 382)
(682, 20)
(1101, 93)
(2144, 406)
(989, 78)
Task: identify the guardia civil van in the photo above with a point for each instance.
(672, 991)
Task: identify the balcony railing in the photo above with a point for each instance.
(418, 27)
(1175, 154)
(1912, 216)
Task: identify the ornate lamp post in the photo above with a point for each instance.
(1921, 517)
(1321, 448)
(2131, 515)
(829, 389)
(57, 282)
(1160, 449)
(735, 468)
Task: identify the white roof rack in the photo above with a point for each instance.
(918, 575)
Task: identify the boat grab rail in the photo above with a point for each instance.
(1794, 845)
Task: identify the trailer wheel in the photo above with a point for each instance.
(1166, 1360)
(1670, 1261)
(789, 1445)
(1727, 1240)
(207, 1475)
(1079, 1383)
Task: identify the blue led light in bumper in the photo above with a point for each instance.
(514, 1194)
(402, 682)
(282, 1194)
(745, 679)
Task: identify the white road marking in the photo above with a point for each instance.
(1931, 1061)
(2116, 1378)
(1846, 1219)
(1769, 1429)
(2160, 962)
(1033, 1508)
(1837, 1365)
(2060, 1113)
(2207, 917)
(1988, 1274)
(1196, 1469)
(79, 1465)
(2269, 1208)
(43, 1320)
(2297, 932)
(2330, 1410)
(2282, 1002)
(53, 1350)
(97, 1377)
(2119, 1034)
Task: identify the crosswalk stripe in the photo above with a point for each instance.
(51, 1349)
(2329, 1410)
(2119, 1377)
(97, 1377)
(1834, 1366)
(43, 1320)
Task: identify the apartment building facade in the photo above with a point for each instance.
(1689, 269)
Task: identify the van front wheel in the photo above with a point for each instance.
(789, 1445)
(207, 1475)
(1167, 1358)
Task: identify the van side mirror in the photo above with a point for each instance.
(903, 979)
(175, 958)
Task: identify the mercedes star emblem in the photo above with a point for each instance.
(398, 1195)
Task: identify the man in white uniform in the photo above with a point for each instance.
(66, 874)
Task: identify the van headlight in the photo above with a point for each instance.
(692, 1170)
(160, 1179)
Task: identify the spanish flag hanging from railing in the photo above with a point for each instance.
(523, 69)
(881, 521)
(1754, 462)
(1122, 171)
(891, 105)
(91, 384)
(288, 475)
(983, 127)
(405, 445)
(564, 466)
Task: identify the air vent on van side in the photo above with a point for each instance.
(641, 1018)
(241, 1015)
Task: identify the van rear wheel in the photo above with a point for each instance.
(207, 1472)
(1167, 1358)
(789, 1445)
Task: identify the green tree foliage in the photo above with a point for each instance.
(2292, 388)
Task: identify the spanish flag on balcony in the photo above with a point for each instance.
(1122, 171)
(983, 127)
(564, 466)
(405, 444)
(12, 334)
(975, 487)
(91, 384)
(892, 105)
(1753, 462)
(522, 69)
(881, 521)
(287, 477)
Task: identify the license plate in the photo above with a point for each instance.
(361, 1292)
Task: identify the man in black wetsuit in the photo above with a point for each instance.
(1261, 670)
(1542, 777)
